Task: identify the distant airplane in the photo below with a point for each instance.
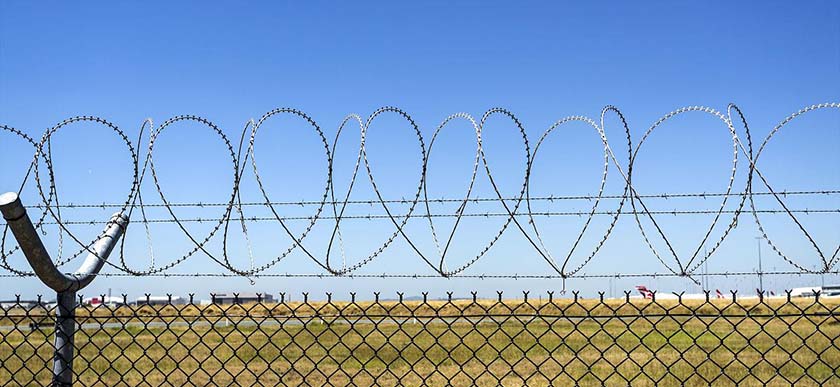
(648, 295)
(769, 292)
(108, 301)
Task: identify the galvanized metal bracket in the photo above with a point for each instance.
(30, 244)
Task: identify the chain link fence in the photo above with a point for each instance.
(542, 341)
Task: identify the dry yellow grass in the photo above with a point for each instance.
(367, 344)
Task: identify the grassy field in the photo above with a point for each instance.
(460, 343)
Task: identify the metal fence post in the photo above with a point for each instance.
(65, 285)
(65, 327)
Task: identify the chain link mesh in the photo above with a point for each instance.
(417, 342)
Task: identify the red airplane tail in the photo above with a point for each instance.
(646, 294)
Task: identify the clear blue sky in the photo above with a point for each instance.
(230, 62)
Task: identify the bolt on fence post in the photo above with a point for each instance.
(65, 285)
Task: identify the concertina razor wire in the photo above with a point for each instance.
(517, 210)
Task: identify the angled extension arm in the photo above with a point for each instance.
(30, 243)
(65, 285)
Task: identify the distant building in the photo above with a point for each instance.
(811, 291)
(240, 298)
(160, 300)
(831, 290)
